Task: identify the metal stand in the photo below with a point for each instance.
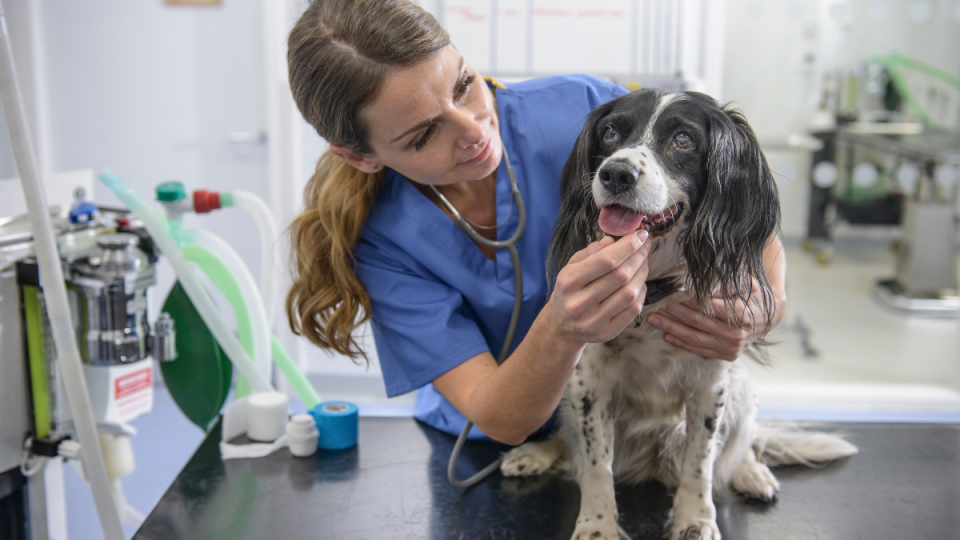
(926, 281)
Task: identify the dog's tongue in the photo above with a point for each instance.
(616, 220)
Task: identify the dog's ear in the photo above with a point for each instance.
(736, 215)
(576, 226)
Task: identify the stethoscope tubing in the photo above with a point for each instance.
(510, 245)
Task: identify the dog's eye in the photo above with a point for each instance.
(682, 140)
(611, 134)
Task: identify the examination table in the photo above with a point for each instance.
(904, 484)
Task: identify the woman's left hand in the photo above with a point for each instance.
(686, 327)
(714, 337)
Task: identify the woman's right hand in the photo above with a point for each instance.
(601, 289)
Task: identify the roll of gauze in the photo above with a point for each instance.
(266, 416)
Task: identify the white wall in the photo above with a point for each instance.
(152, 92)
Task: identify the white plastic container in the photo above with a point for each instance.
(302, 435)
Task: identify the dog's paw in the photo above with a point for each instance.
(598, 529)
(754, 480)
(528, 459)
(701, 529)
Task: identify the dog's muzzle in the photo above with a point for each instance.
(618, 177)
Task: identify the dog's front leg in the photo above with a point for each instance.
(591, 432)
(694, 517)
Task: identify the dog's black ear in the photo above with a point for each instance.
(576, 226)
(736, 215)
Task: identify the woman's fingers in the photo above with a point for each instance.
(706, 336)
(602, 284)
(590, 250)
(691, 316)
(618, 297)
(598, 262)
(700, 351)
(628, 305)
(617, 283)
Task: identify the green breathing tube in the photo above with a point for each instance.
(224, 281)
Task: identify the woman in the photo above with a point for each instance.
(409, 120)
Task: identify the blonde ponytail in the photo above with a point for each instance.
(327, 300)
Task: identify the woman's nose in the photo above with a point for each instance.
(472, 131)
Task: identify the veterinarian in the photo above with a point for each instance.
(408, 121)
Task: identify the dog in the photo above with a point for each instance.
(691, 172)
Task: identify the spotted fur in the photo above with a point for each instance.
(636, 407)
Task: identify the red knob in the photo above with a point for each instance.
(205, 201)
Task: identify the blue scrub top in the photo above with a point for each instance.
(436, 300)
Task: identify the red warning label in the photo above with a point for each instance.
(133, 383)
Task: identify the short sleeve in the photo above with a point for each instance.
(422, 326)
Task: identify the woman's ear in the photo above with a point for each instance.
(358, 161)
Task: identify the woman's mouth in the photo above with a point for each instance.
(484, 153)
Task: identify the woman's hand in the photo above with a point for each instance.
(717, 337)
(598, 292)
(601, 289)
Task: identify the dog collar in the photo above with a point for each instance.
(658, 289)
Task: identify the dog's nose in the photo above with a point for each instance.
(618, 176)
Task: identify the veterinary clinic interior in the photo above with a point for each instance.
(360, 269)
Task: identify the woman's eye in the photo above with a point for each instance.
(462, 89)
(423, 140)
(682, 140)
(611, 134)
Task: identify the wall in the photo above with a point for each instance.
(153, 92)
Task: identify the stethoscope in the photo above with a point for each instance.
(510, 245)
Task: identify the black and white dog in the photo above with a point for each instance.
(637, 408)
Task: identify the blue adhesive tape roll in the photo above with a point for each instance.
(338, 423)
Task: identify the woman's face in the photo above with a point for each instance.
(435, 122)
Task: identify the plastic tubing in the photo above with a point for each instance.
(223, 280)
(248, 290)
(156, 227)
(305, 391)
(268, 236)
(55, 292)
(251, 302)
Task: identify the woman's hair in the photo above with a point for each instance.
(339, 53)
